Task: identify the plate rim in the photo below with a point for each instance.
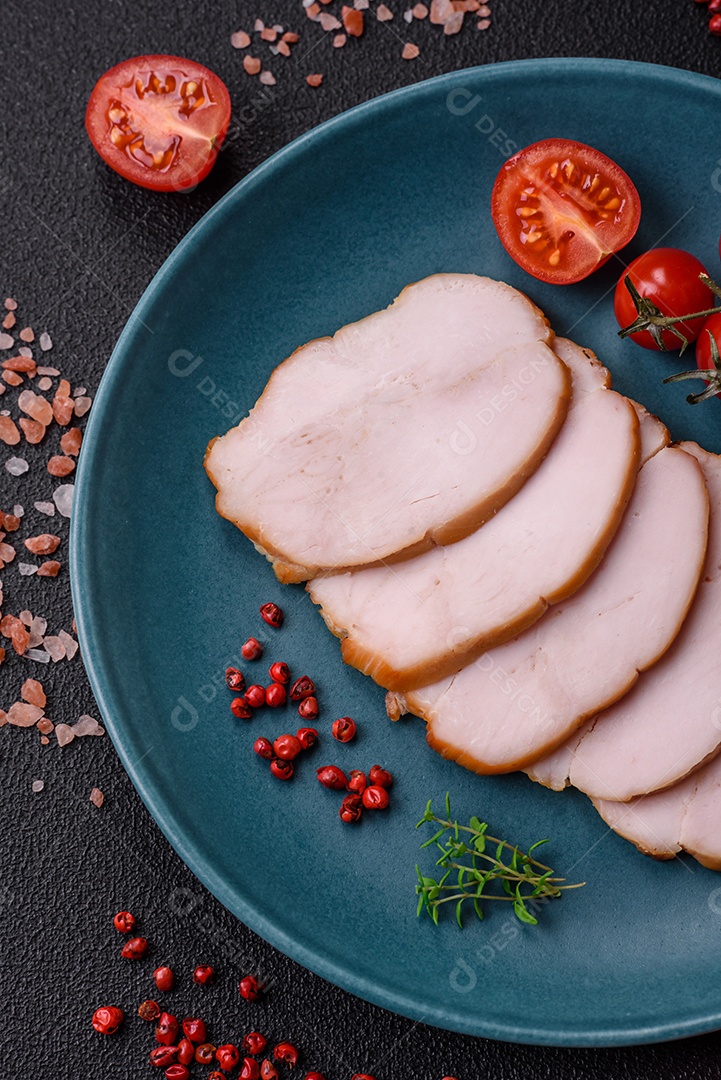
(111, 706)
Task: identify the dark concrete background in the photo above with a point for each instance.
(78, 246)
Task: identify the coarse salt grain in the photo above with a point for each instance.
(27, 569)
(44, 383)
(314, 80)
(45, 726)
(45, 508)
(252, 66)
(63, 499)
(27, 334)
(10, 304)
(39, 625)
(46, 342)
(38, 785)
(26, 617)
(16, 466)
(483, 24)
(32, 692)
(240, 40)
(408, 16)
(6, 341)
(18, 511)
(383, 13)
(71, 645)
(25, 351)
(453, 24)
(39, 655)
(79, 391)
(48, 371)
(96, 797)
(267, 78)
(328, 22)
(410, 51)
(339, 41)
(55, 648)
(82, 404)
(87, 725)
(22, 714)
(64, 734)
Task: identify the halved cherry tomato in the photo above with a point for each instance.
(159, 121)
(669, 278)
(561, 209)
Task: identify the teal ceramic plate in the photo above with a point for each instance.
(326, 231)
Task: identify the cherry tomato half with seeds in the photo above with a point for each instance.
(561, 209)
(669, 278)
(159, 121)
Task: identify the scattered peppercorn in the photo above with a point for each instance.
(205, 1054)
(149, 1010)
(308, 708)
(302, 688)
(194, 1029)
(254, 1042)
(166, 1029)
(124, 922)
(186, 1052)
(307, 737)
(375, 798)
(227, 1056)
(271, 614)
(177, 1072)
(268, 1070)
(358, 782)
(287, 747)
(282, 770)
(255, 696)
(240, 708)
(263, 747)
(344, 729)
(203, 974)
(314, 1076)
(286, 1052)
(380, 777)
(351, 808)
(279, 672)
(275, 695)
(251, 649)
(162, 1056)
(135, 948)
(107, 1019)
(235, 680)
(164, 978)
(332, 777)
(250, 988)
(249, 1070)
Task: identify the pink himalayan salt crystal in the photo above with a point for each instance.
(63, 499)
(383, 13)
(6, 341)
(96, 797)
(410, 51)
(46, 342)
(45, 508)
(267, 78)
(71, 645)
(23, 715)
(48, 371)
(38, 785)
(26, 618)
(27, 569)
(45, 383)
(3, 718)
(87, 725)
(10, 304)
(45, 726)
(27, 334)
(453, 24)
(82, 404)
(339, 41)
(16, 466)
(483, 24)
(39, 655)
(328, 22)
(9, 433)
(39, 625)
(33, 693)
(37, 407)
(55, 648)
(64, 734)
(7, 553)
(240, 40)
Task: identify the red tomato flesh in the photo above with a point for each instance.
(561, 209)
(704, 358)
(159, 121)
(669, 278)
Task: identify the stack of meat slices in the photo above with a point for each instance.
(508, 546)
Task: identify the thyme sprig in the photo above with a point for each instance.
(710, 375)
(651, 318)
(473, 861)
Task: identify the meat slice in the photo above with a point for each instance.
(671, 722)
(683, 818)
(408, 428)
(519, 701)
(452, 603)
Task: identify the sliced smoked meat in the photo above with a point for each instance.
(523, 699)
(408, 428)
(411, 622)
